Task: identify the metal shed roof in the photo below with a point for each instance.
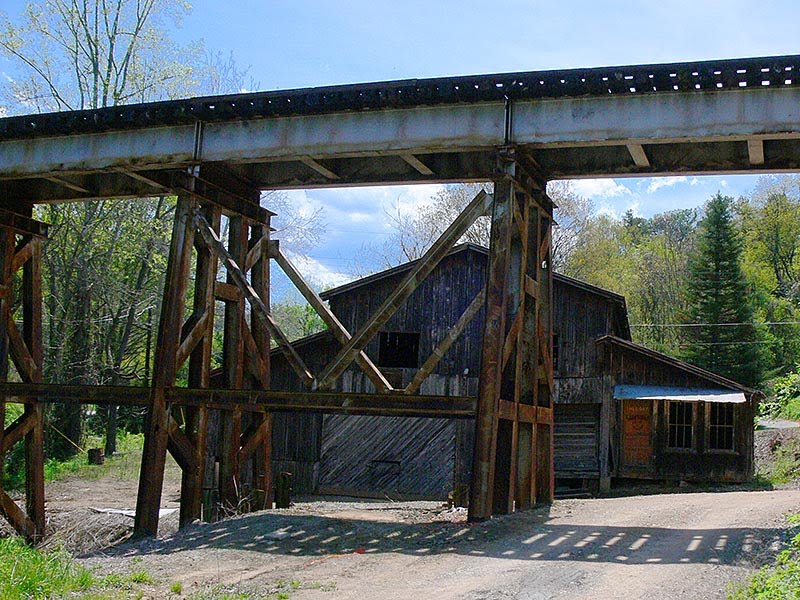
(663, 392)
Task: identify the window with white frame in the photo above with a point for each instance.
(680, 425)
(720, 426)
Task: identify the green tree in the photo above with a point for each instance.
(723, 336)
(657, 295)
(102, 272)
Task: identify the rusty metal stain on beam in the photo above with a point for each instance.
(755, 151)
(638, 155)
(420, 166)
(319, 168)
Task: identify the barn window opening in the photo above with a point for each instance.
(720, 433)
(680, 425)
(398, 350)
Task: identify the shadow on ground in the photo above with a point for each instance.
(522, 536)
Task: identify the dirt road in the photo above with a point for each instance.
(668, 546)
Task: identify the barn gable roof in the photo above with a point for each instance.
(482, 250)
(676, 363)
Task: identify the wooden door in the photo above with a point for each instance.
(637, 429)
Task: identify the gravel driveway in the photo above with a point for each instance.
(663, 546)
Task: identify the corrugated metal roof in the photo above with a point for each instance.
(664, 392)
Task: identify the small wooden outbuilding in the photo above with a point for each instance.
(621, 410)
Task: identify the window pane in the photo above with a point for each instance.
(680, 425)
(720, 433)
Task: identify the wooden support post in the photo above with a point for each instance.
(32, 336)
(512, 464)
(486, 423)
(25, 349)
(157, 422)
(233, 368)
(262, 452)
(7, 243)
(196, 428)
(545, 474)
(238, 279)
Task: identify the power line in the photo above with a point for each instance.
(713, 324)
(749, 343)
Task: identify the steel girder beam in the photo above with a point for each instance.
(608, 124)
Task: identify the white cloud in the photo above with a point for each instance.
(410, 198)
(599, 188)
(360, 217)
(317, 273)
(301, 202)
(656, 183)
(616, 212)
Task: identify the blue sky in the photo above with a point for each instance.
(306, 43)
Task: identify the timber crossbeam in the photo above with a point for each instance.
(388, 404)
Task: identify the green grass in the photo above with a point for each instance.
(30, 574)
(780, 581)
(785, 464)
(124, 465)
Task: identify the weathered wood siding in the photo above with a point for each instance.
(576, 442)
(431, 311)
(387, 456)
(580, 317)
(582, 314)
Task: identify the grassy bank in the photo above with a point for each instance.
(778, 581)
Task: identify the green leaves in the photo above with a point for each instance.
(722, 337)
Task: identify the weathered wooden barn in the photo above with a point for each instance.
(621, 410)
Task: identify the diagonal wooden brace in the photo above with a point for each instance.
(194, 331)
(17, 431)
(339, 331)
(448, 340)
(478, 207)
(259, 308)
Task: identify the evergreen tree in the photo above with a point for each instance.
(724, 339)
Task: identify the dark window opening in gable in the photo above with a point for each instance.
(681, 415)
(398, 350)
(720, 431)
